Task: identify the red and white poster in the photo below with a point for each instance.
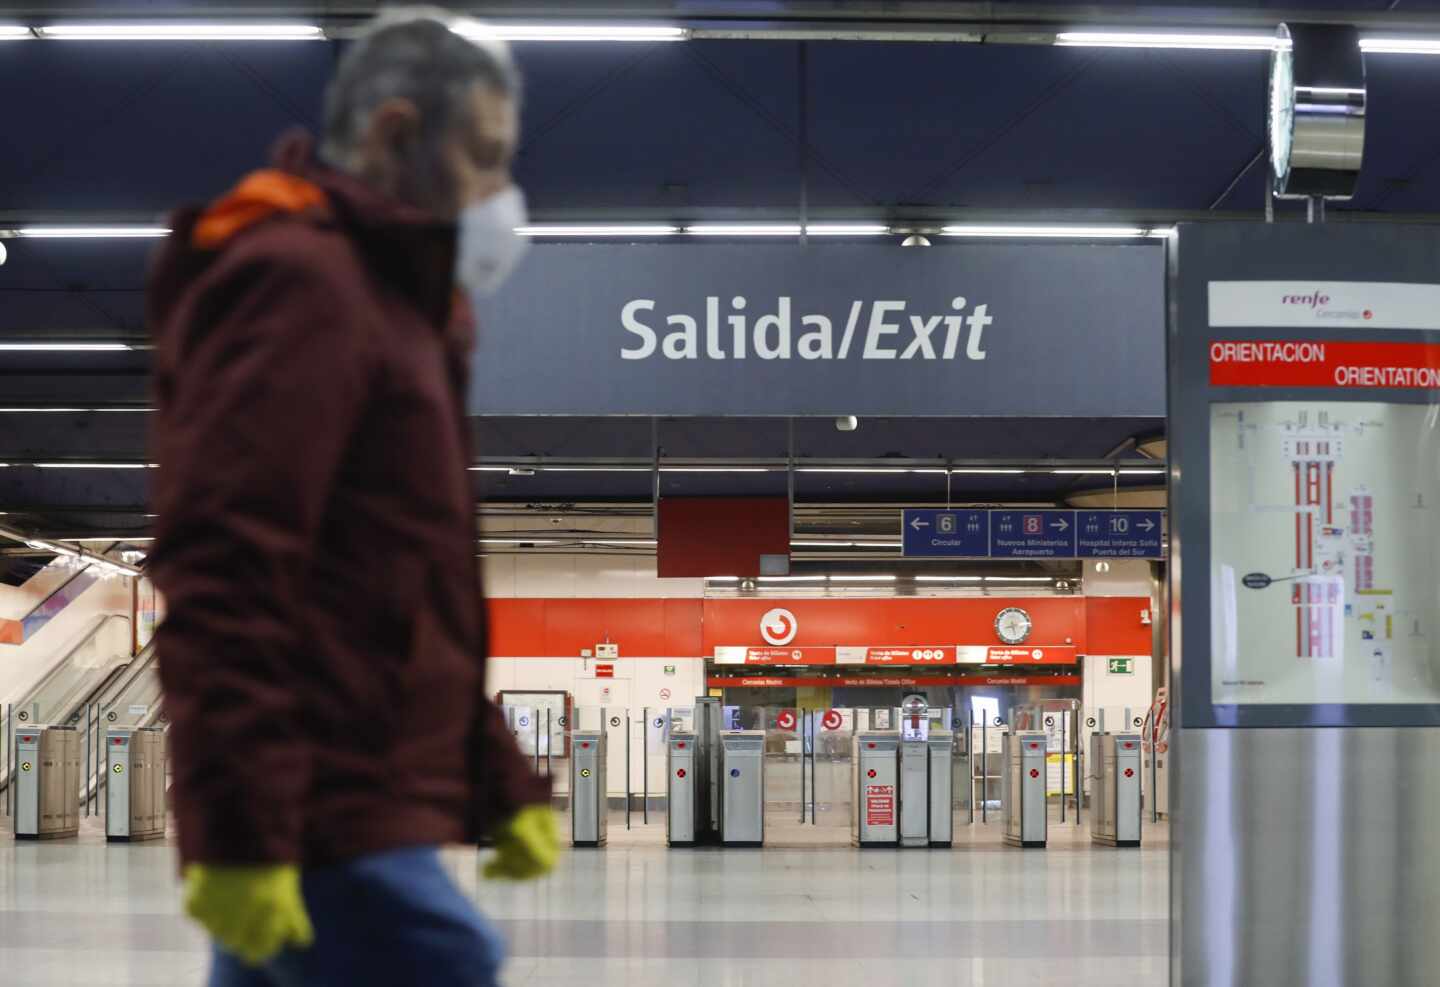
(1324, 363)
(906, 655)
(774, 656)
(879, 805)
(1038, 655)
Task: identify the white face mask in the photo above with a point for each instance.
(489, 248)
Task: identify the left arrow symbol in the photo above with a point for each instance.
(917, 524)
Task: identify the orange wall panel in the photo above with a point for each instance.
(1113, 625)
(885, 622)
(665, 628)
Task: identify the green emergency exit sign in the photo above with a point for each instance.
(1122, 666)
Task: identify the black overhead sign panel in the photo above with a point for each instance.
(996, 329)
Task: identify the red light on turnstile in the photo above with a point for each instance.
(118, 742)
(872, 772)
(1034, 747)
(1128, 745)
(871, 745)
(1034, 772)
(584, 745)
(1129, 772)
(680, 773)
(680, 745)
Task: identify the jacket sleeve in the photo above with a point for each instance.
(265, 386)
(506, 780)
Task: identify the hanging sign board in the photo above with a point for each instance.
(776, 328)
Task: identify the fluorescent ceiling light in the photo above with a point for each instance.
(864, 469)
(1145, 39)
(716, 469)
(573, 32)
(586, 231)
(822, 544)
(1400, 46)
(518, 541)
(619, 541)
(65, 347)
(1053, 232)
(977, 471)
(1142, 472)
(595, 469)
(863, 579)
(743, 229)
(65, 411)
(489, 469)
(95, 466)
(1019, 579)
(110, 538)
(14, 32)
(181, 32)
(846, 229)
(948, 579)
(91, 232)
(793, 579)
(722, 579)
(1084, 472)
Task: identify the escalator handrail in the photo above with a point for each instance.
(134, 668)
(60, 664)
(55, 592)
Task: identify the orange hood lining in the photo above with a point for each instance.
(259, 195)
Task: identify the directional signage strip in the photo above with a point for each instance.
(1038, 534)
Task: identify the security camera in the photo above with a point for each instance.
(847, 423)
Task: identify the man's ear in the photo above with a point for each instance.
(388, 141)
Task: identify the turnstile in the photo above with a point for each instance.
(47, 785)
(589, 807)
(877, 789)
(135, 784)
(708, 716)
(1115, 789)
(914, 788)
(940, 791)
(742, 788)
(1022, 789)
(680, 815)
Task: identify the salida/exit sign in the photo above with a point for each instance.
(1122, 666)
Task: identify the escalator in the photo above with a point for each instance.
(89, 694)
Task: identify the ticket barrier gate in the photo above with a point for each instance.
(742, 788)
(903, 790)
(1022, 789)
(1115, 789)
(47, 783)
(708, 716)
(877, 784)
(589, 799)
(134, 784)
(681, 759)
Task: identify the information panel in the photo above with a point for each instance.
(1008, 534)
(1305, 390)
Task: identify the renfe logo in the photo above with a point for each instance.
(885, 330)
(779, 627)
(1313, 300)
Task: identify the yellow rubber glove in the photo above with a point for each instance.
(527, 846)
(252, 912)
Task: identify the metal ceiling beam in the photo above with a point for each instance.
(859, 19)
(904, 219)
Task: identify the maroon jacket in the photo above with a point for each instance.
(323, 656)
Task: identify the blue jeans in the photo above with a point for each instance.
(390, 919)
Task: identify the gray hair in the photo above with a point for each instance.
(419, 54)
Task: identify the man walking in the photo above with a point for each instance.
(323, 653)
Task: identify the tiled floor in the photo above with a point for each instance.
(634, 914)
